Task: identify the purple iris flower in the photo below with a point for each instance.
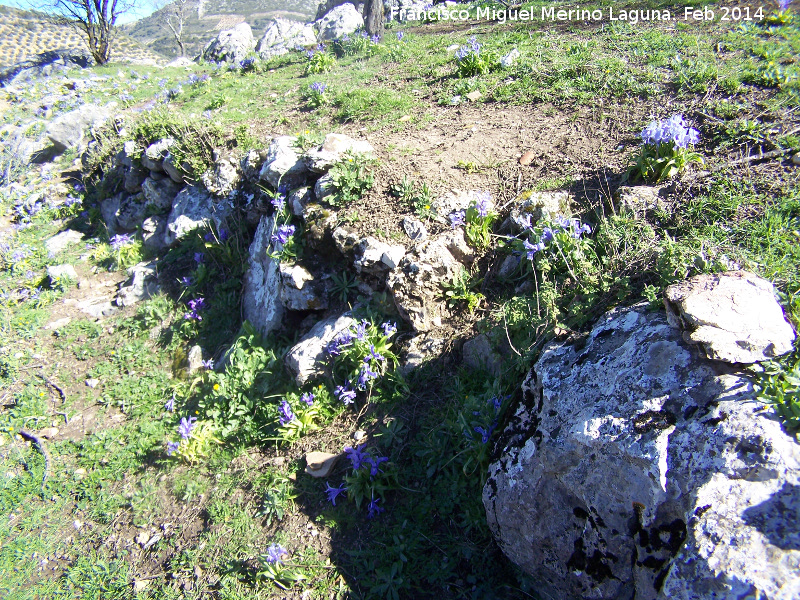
(279, 202)
(389, 329)
(121, 240)
(286, 415)
(345, 394)
(457, 219)
(170, 404)
(532, 248)
(373, 465)
(334, 492)
(172, 447)
(357, 456)
(373, 354)
(283, 235)
(373, 510)
(274, 554)
(482, 202)
(361, 330)
(365, 377)
(199, 257)
(186, 426)
(308, 398)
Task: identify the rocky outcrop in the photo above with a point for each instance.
(635, 467)
(341, 20)
(261, 300)
(731, 316)
(231, 45)
(282, 35)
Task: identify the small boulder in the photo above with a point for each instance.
(320, 464)
(68, 130)
(56, 272)
(306, 360)
(153, 157)
(420, 349)
(640, 200)
(153, 230)
(283, 165)
(324, 188)
(414, 228)
(223, 178)
(342, 20)
(282, 35)
(142, 284)
(194, 360)
(534, 206)
(298, 199)
(160, 194)
(60, 241)
(733, 316)
(193, 207)
(173, 169)
(333, 148)
(261, 301)
(299, 289)
(231, 45)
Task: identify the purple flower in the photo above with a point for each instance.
(223, 234)
(400, 36)
(373, 464)
(187, 281)
(334, 492)
(283, 235)
(310, 54)
(365, 377)
(186, 426)
(279, 202)
(482, 203)
(208, 364)
(344, 393)
(496, 402)
(485, 433)
(172, 447)
(373, 510)
(525, 221)
(547, 235)
(361, 330)
(197, 304)
(373, 354)
(308, 398)
(783, 5)
(274, 554)
(457, 219)
(209, 237)
(674, 131)
(389, 329)
(532, 248)
(170, 404)
(376, 39)
(199, 257)
(286, 415)
(318, 88)
(121, 240)
(357, 456)
(321, 47)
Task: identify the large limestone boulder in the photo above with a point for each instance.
(636, 468)
(342, 20)
(283, 35)
(231, 45)
(306, 360)
(68, 130)
(261, 301)
(193, 207)
(732, 316)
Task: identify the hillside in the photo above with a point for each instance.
(24, 34)
(299, 328)
(210, 17)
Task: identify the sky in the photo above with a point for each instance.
(143, 10)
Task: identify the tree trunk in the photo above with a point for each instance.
(373, 17)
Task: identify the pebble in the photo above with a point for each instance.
(92, 383)
(796, 159)
(359, 435)
(527, 158)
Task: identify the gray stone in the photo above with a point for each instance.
(532, 207)
(479, 353)
(299, 289)
(420, 349)
(261, 301)
(453, 201)
(298, 199)
(126, 157)
(324, 188)
(133, 179)
(733, 316)
(97, 307)
(131, 212)
(634, 467)
(251, 165)
(56, 272)
(193, 207)
(509, 59)
(342, 20)
(332, 150)
(416, 284)
(60, 241)
(640, 200)
(796, 159)
(174, 170)
(153, 230)
(142, 284)
(306, 359)
(509, 266)
(282, 35)
(320, 224)
(68, 130)
(458, 247)
(223, 178)
(160, 194)
(283, 165)
(194, 360)
(153, 157)
(231, 45)
(374, 256)
(414, 229)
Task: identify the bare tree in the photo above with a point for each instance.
(96, 19)
(174, 16)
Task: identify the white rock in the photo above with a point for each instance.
(68, 130)
(306, 360)
(282, 35)
(283, 165)
(231, 44)
(299, 290)
(733, 316)
(56, 272)
(332, 150)
(142, 284)
(509, 59)
(193, 207)
(261, 301)
(153, 156)
(60, 241)
(343, 19)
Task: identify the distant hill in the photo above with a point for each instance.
(24, 34)
(208, 17)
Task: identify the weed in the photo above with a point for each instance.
(462, 289)
(352, 176)
(778, 383)
(319, 62)
(471, 60)
(419, 198)
(344, 285)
